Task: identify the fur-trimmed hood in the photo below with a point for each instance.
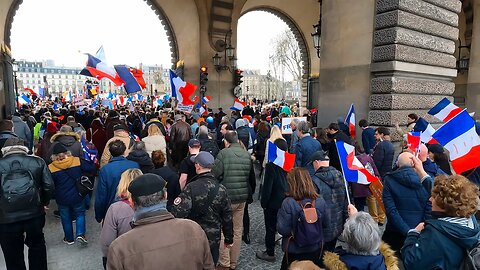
(332, 261)
(67, 134)
(14, 149)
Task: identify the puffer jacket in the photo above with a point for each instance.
(155, 142)
(41, 175)
(143, 159)
(71, 141)
(330, 186)
(232, 169)
(405, 199)
(341, 260)
(65, 174)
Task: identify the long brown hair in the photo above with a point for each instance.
(300, 185)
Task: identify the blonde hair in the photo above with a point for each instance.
(456, 195)
(275, 133)
(154, 130)
(125, 180)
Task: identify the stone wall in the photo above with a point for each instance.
(413, 60)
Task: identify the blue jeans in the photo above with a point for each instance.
(78, 212)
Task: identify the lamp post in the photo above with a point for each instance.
(15, 69)
(229, 53)
(269, 77)
(463, 63)
(316, 35)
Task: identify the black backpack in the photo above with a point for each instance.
(210, 146)
(18, 189)
(471, 260)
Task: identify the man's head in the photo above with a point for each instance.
(117, 148)
(120, 128)
(230, 137)
(194, 146)
(381, 132)
(6, 125)
(59, 152)
(423, 153)
(332, 128)
(320, 159)
(294, 123)
(405, 159)
(224, 128)
(302, 128)
(363, 123)
(158, 158)
(70, 119)
(204, 162)
(147, 190)
(412, 118)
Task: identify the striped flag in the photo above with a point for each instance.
(350, 121)
(280, 158)
(352, 168)
(238, 105)
(444, 110)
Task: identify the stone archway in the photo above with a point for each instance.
(172, 40)
(302, 44)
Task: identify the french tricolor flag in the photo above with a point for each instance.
(24, 99)
(99, 69)
(413, 141)
(238, 105)
(280, 158)
(130, 82)
(350, 121)
(206, 99)
(352, 168)
(181, 90)
(426, 131)
(444, 110)
(458, 136)
(201, 109)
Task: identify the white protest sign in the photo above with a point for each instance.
(286, 128)
(184, 108)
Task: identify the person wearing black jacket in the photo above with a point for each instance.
(23, 215)
(334, 133)
(168, 174)
(140, 155)
(275, 186)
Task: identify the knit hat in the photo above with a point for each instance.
(52, 127)
(146, 184)
(58, 149)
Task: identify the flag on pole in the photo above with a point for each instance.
(238, 105)
(413, 141)
(31, 91)
(426, 131)
(181, 90)
(353, 169)
(206, 99)
(99, 69)
(130, 82)
(138, 74)
(24, 99)
(350, 121)
(281, 158)
(201, 109)
(459, 137)
(444, 110)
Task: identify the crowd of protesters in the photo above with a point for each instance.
(175, 188)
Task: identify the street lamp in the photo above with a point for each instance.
(269, 78)
(317, 34)
(15, 70)
(229, 53)
(463, 62)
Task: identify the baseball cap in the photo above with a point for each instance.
(194, 142)
(319, 155)
(204, 159)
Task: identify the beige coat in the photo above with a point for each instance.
(161, 241)
(118, 135)
(155, 142)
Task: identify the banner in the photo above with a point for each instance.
(185, 108)
(377, 188)
(286, 128)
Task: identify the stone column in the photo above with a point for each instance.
(412, 61)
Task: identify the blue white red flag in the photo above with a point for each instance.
(99, 69)
(350, 121)
(88, 153)
(281, 158)
(181, 90)
(121, 100)
(413, 141)
(444, 110)
(129, 82)
(24, 99)
(206, 99)
(238, 105)
(426, 131)
(353, 169)
(201, 109)
(458, 136)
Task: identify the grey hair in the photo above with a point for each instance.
(140, 145)
(361, 235)
(55, 156)
(203, 130)
(148, 200)
(303, 127)
(295, 121)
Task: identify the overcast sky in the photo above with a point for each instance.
(129, 31)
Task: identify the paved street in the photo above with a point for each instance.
(62, 256)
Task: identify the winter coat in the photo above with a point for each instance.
(43, 183)
(275, 186)
(287, 219)
(331, 187)
(332, 150)
(173, 186)
(232, 169)
(155, 142)
(441, 244)
(97, 135)
(406, 200)
(143, 159)
(110, 123)
(109, 177)
(208, 145)
(43, 150)
(180, 133)
(4, 135)
(159, 239)
(70, 140)
(341, 260)
(432, 168)
(65, 174)
(119, 135)
(383, 156)
(306, 146)
(22, 130)
(116, 222)
(368, 140)
(157, 122)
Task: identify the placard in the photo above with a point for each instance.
(184, 108)
(377, 188)
(286, 128)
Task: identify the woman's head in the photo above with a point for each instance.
(125, 179)
(300, 185)
(321, 135)
(361, 235)
(275, 133)
(158, 159)
(263, 128)
(153, 130)
(454, 195)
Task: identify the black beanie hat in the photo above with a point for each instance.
(146, 184)
(58, 149)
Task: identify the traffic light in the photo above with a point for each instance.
(237, 77)
(203, 75)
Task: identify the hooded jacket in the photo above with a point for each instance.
(330, 185)
(441, 244)
(71, 141)
(65, 173)
(405, 199)
(432, 168)
(344, 261)
(22, 130)
(143, 159)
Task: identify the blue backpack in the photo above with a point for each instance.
(308, 230)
